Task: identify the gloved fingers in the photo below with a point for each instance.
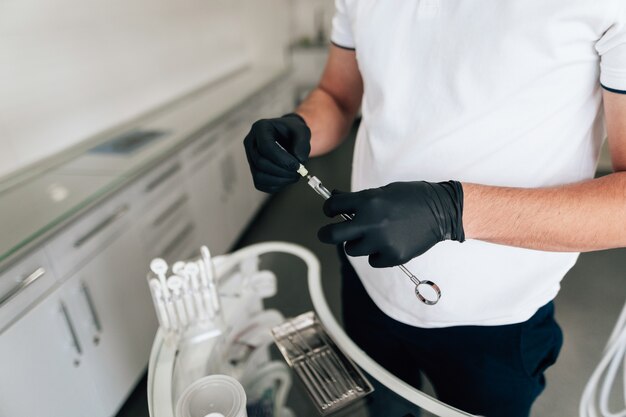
(379, 260)
(359, 247)
(261, 163)
(294, 135)
(301, 145)
(266, 137)
(338, 203)
(339, 232)
(270, 183)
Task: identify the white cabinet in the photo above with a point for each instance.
(163, 212)
(42, 368)
(81, 351)
(23, 285)
(224, 198)
(83, 239)
(76, 317)
(168, 227)
(110, 302)
(209, 199)
(245, 199)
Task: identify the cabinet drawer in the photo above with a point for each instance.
(22, 285)
(201, 150)
(87, 235)
(41, 359)
(149, 189)
(171, 209)
(178, 243)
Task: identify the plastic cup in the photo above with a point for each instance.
(213, 396)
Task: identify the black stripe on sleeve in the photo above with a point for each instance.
(612, 90)
(343, 47)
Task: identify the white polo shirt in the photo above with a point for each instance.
(496, 92)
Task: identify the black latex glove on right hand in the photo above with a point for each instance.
(274, 168)
(395, 223)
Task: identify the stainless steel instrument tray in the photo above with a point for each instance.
(331, 379)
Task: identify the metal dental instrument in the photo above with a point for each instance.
(330, 370)
(331, 379)
(317, 186)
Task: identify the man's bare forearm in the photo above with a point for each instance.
(328, 120)
(330, 109)
(585, 216)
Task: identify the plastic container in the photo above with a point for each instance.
(213, 396)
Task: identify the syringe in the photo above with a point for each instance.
(317, 186)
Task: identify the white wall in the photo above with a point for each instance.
(72, 68)
(306, 14)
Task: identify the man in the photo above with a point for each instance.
(507, 98)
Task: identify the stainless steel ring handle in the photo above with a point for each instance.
(434, 287)
(22, 285)
(101, 226)
(425, 283)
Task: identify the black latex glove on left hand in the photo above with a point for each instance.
(395, 223)
(273, 167)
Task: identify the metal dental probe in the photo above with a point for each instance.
(317, 186)
(323, 376)
(334, 377)
(315, 374)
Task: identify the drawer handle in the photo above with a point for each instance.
(161, 178)
(170, 210)
(95, 319)
(101, 226)
(72, 329)
(178, 239)
(22, 285)
(204, 145)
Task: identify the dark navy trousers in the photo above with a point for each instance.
(492, 371)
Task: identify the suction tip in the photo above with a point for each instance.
(178, 267)
(192, 268)
(158, 266)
